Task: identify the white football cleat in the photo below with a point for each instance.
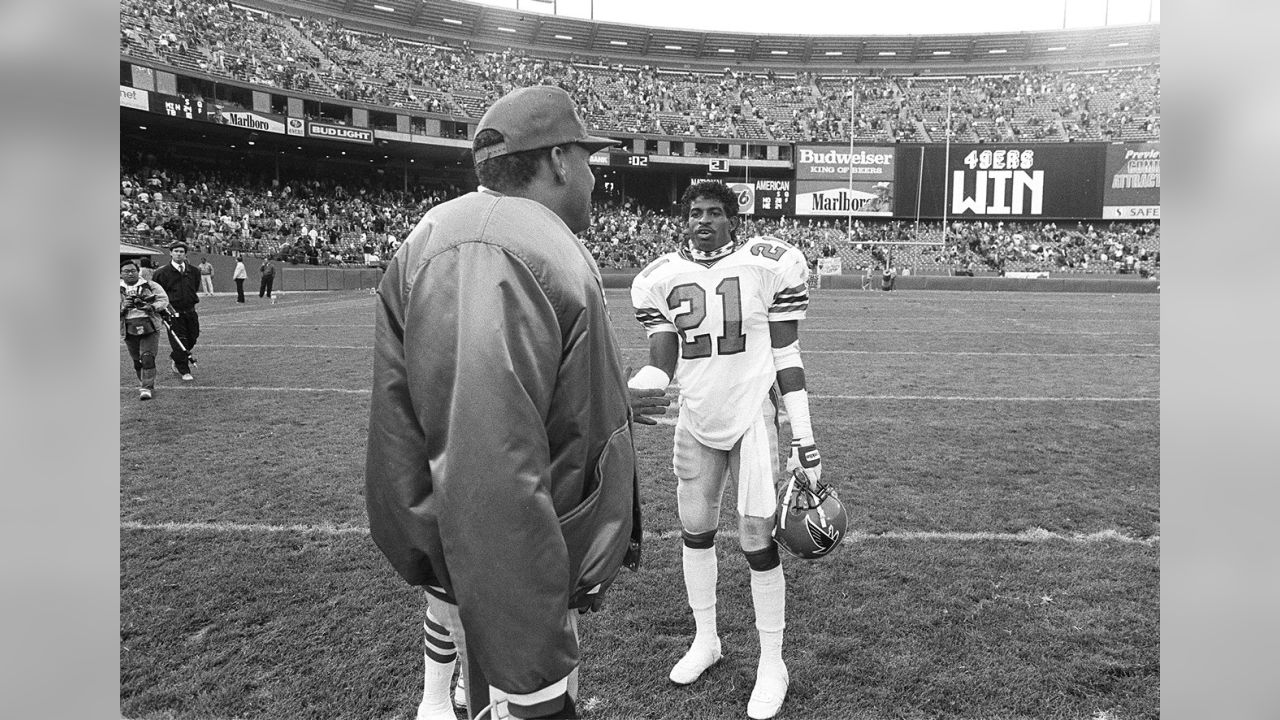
(437, 710)
(695, 662)
(460, 694)
(769, 692)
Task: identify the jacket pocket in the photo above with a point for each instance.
(598, 532)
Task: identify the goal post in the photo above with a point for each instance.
(903, 256)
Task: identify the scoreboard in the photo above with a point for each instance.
(182, 106)
(767, 198)
(774, 198)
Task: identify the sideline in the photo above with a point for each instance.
(1030, 535)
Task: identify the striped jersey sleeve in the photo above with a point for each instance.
(653, 321)
(645, 299)
(791, 298)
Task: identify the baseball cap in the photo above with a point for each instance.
(535, 117)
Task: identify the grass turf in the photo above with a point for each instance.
(279, 606)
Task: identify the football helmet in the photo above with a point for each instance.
(809, 522)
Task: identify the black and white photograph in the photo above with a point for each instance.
(534, 416)
(628, 360)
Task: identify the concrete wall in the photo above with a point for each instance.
(288, 277)
(310, 277)
(1065, 283)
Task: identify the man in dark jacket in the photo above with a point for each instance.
(500, 475)
(268, 275)
(181, 281)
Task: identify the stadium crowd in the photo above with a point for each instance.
(319, 220)
(326, 220)
(451, 78)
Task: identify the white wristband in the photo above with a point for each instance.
(649, 378)
(797, 404)
(787, 357)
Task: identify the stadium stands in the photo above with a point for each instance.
(326, 53)
(396, 69)
(338, 220)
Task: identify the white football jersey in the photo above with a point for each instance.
(721, 311)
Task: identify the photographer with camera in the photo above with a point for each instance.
(141, 304)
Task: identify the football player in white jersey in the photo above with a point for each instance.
(722, 319)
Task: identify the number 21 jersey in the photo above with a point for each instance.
(721, 313)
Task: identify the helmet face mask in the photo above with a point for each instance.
(810, 522)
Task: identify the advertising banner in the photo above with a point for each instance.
(746, 197)
(295, 126)
(1001, 181)
(340, 132)
(836, 162)
(252, 121)
(1132, 182)
(833, 197)
(134, 98)
(840, 180)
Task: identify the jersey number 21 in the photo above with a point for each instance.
(731, 340)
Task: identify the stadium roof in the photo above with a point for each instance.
(496, 26)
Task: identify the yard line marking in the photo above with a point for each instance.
(807, 352)
(1118, 315)
(944, 353)
(234, 317)
(241, 388)
(944, 331)
(939, 352)
(301, 324)
(290, 347)
(219, 527)
(971, 398)
(661, 421)
(1031, 535)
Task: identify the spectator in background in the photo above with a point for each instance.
(268, 276)
(206, 276)
(239, 275)
(181, 282)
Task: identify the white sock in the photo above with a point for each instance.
(769, 596)
(700, 573)
(439, 657)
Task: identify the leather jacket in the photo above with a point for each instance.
(500, 470)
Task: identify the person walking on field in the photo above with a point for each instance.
(141, 303)
(181, 282)
(500, 473)
(239, 275)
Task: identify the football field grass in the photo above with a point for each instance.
(998, 454)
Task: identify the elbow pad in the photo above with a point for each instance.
(787, 357)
